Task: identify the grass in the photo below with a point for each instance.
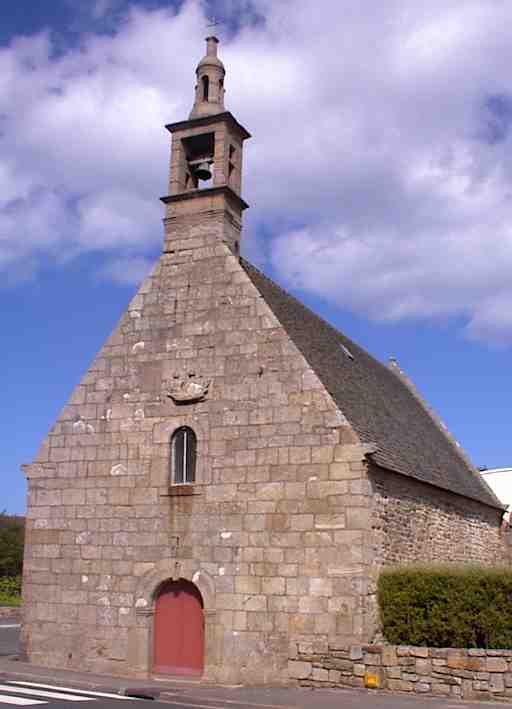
(8, 599)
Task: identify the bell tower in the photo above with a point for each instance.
(204, 201)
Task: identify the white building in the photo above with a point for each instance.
(500, 481)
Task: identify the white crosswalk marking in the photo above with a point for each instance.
(91, 693)
(23, 701)
(42, 693)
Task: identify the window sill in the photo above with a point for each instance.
(182, 490)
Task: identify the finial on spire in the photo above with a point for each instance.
(210, 72)
(213, 22)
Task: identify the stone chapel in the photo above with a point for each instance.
(227, 479)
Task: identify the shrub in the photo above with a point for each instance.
(10, 590)
(446, 606)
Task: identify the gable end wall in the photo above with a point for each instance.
(275, 532)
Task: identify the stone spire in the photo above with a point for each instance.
(210, 73)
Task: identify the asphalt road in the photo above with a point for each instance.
(9, 637)
(20, 693)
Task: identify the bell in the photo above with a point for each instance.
(203, 171)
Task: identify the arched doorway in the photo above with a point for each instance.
(178, 630)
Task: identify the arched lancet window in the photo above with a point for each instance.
(206, 87)
(183, 456)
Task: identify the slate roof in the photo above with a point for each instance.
(379, 405)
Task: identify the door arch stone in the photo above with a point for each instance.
(141, 635)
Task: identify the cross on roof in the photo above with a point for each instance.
(213, 22)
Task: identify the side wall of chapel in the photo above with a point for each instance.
(413, 521)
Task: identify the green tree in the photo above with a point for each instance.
(12, 534)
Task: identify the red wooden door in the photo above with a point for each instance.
(179, 630)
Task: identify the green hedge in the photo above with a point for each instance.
(11, 585)
(446, 606)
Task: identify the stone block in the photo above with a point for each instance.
(310, 604)
(438, 652)
(248, 584)
(496, 684)
(419, 651)
(338, 663)
(403, 650)
(348, 453)
(496, 664)
(302, 522)
(273, 585)
(482, 675)
(422, 687)
(442, 690)
(407, 661)
(372, 659)
(410, 676)
(356, 652)
(299, 670)
(322, 454)
(320, 675)
(389, 656)
(330, 521)
(423, 667)
(400, 685)
(481, 686)
(474, 664)
(334, 676)
(456, 662)
(254, 603)
(320, 587)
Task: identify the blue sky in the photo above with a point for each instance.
(378, 176)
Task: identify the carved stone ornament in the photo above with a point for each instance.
(188, 391)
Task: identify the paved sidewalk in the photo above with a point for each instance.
(11, 668)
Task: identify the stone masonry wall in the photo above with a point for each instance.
(448, 672)
(273, 532)
(412, 521)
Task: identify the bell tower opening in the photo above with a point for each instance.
(199, 153)
(206, 87)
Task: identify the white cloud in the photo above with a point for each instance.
(380, 162)
(127, 270)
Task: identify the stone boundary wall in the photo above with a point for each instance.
(468, 674)
(10, 612)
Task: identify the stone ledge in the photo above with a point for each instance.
(182, 491)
